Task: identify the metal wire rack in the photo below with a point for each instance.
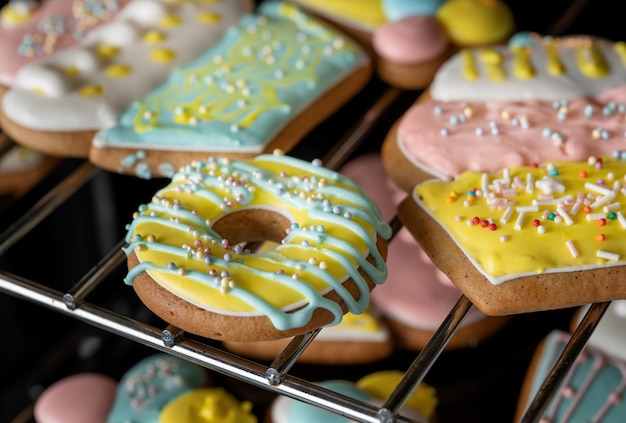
(276, 377)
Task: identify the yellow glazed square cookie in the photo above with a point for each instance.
(527, 238)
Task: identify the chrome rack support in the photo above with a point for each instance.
(424, 361)
(288, 357)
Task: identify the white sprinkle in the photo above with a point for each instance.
(621, 219)
(563, 213)
(530, 182)
(520, 209)
(603, 200)
(616, 186)
(607, 255)
(504, 238)
(596, 216)
(507, 215)
(506, 174)
(575, 208)
(572, 248)
(598, 188)
(485, 182)
(611, 207)
(541, 229)
(552, 201)
(520, 221)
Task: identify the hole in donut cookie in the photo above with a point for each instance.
(252, 225)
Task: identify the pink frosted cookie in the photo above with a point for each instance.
(520, 104)
(31, 30)
(417, 296)
(80, 398)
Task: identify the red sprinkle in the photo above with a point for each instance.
(583, 174)
(602, 222)
(586, 209)
(534, 165)
(601, 237)
(484, 223)
(536, 222)
(493, 227)
(476, 220)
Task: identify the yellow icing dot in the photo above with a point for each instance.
(107, 51)
(522, 66)
(153, 37)
(117, 71)
(169, 21)
(591, 61)
(381, 384)
(469, 65)
(208, 17)
(162, 55)
(91, 90)
(71, 71)
(207, 405)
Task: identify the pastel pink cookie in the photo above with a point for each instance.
(410, 40)
(80, 398)
(416, 292)
(54, 25)
(447, 138)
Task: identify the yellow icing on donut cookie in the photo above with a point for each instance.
(207, 405)
(334, 227)
(558, 217)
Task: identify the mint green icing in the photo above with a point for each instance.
(152, 383)
(593, 390)
(345, 206)
(239, 93)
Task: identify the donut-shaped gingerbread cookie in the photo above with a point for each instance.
(188, 265)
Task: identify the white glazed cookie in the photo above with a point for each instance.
(84, 88)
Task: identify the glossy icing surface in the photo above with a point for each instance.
(207, 405)
(88, 86)
(238, 94)
(334, 227)
(545, 68)
(32, 30)
(149, 385)
(80, 398)
(593, 389)
(555, 217)
(416, 293)
(445, 138)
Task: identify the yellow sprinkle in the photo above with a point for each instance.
(162, 55)
(91, 90)
(153, 37)
(117, 71)
(107, 51)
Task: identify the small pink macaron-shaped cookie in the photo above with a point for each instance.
(410, 40)
(80, 398)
